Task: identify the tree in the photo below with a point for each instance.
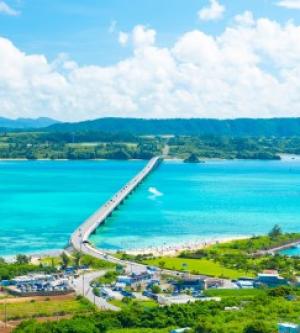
(22, 259)
(162, 264)
(77, 257)
(275, 232)
(65, 260)
(257, 327)
(204, 327)
(156, 289)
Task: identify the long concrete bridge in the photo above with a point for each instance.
(79, 239)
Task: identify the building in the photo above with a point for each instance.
(39, 285)
(288, 328)
(270, 279)
(194, 285)
(245, 283)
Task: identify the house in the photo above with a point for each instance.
(194, 285)
(39, 285)
(271, 279)
(133, 278)
(288, 328)
(124, 279)
(245, 283)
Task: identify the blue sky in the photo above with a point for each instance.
(84, 59)
(81, 27)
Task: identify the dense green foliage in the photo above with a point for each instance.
(108, 278)
(95, 263)
(263, 148)
(73, 146)
(235, 314)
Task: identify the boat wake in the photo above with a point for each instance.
(154, 193)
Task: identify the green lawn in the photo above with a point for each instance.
(234, 292)
(198, 266)
(45, 308)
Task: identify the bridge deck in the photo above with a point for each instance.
(83, 232)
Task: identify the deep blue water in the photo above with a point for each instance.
(42, 202)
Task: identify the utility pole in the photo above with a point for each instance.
(5, 314)
(83, 284)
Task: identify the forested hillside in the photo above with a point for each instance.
(278, 127)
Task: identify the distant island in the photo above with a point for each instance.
(123, 139)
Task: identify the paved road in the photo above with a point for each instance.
(82, 287)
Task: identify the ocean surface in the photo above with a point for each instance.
(42, 202)
(292, 251)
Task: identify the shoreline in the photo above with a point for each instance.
(157, 251)
(283, 158)
(172, 250)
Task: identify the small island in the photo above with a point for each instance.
(193, 158)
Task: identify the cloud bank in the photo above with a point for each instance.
(252, 69)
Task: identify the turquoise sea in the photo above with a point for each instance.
(189, 202)
(42, 202)
(292, 251)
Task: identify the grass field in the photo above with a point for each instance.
(198, 266)
(44, 308)
(234, 292)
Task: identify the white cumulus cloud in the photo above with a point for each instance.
(251, 69)
(123, 38)
(289, 4)
(245, 18)
(214, 11)
(7, 10)
(142, 36)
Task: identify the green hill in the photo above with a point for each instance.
(278, 127)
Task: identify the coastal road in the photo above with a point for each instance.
(82, 287)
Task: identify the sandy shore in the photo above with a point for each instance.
(174, 250)
(36, 256)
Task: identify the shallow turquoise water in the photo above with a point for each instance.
(181, 202)
(292, 251)
(42, 202)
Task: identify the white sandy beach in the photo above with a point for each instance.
(176, 249)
